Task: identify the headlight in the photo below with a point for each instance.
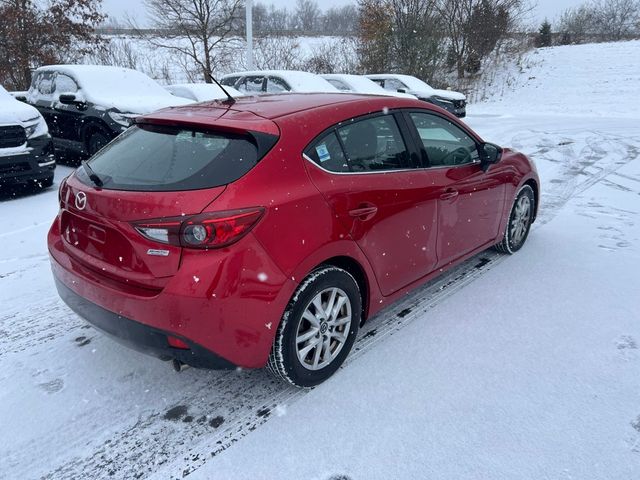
(35, 127)
(124, 119)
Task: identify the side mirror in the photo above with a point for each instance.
(72, 99)
(21, 98)
(489, 154)
(402, 90)
(67, 98)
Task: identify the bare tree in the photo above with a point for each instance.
(332, 56)
(602, 20)
(200, 30)
(276, 52)
(118, 52)
(617, 19)
(400, 36)
(340, 20)
(577, 24)
(307, 14)
(473, 27)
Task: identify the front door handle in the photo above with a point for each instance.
(364, 212)
(449, 194)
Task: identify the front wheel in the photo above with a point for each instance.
(520, 220)
(318, 328)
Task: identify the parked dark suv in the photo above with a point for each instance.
(86, 106)
(26, 152)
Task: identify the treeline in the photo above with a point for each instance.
(427, 37)
(595, 21)
(305, 17)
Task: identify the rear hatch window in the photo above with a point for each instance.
(169, 158)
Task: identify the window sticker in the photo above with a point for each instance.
(323, 153)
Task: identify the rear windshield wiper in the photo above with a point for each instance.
(92, 175)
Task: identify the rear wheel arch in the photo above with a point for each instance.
(356, 270)
(92, 126)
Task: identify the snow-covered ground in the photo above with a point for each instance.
(521, 367)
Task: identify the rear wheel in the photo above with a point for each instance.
(520, 220)
(317, 329)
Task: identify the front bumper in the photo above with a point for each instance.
(456, 107)
(138, 336)
(34, 162)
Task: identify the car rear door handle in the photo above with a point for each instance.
(364, 212)
(449, 194)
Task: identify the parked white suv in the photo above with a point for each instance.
(26, 152)
(451, 101)
(360, 84)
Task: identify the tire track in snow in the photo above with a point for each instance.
(224, 407)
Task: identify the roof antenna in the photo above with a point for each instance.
(230, 100)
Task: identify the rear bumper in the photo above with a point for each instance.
(34, 162)
(215, 302)
(138, 336)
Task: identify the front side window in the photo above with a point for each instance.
(65, 84)
(159, 158)
(446, 144)
(394, 84)
(374, 144)
(251, 84)
(277, 85)
(229, 81)
(339, 84)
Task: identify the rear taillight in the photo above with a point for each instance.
(63, 183)
(206, 230)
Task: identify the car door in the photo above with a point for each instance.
(366, 170)
(68, 117)
(470, 201)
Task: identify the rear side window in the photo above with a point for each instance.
(328, 153)
(158, 158)
(374, 144)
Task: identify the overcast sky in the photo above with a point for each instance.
(117, 8)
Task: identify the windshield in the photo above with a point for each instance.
(155, 158)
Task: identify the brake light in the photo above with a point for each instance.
(204, 231)
(63, 183)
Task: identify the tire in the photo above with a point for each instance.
(307, 363)
(47, 182)
(96, 140)
(520, 220)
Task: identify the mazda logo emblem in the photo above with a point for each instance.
(81, 200)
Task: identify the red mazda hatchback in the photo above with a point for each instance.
(265, 231)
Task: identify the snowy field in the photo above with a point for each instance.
(520, 367)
